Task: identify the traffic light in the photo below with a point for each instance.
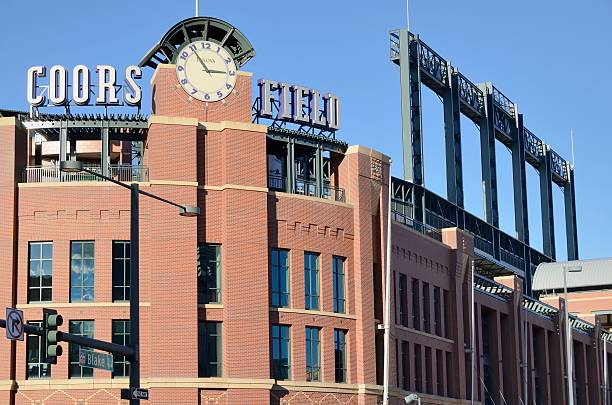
(51, 321)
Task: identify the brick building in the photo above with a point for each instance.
(274, 294)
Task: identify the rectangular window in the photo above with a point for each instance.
(121, 270)
(418, 369)
(209, 274)
(437, 312)
(281, 348)
(311, 280)
(40, 272)
(416, 311)
(209, 349)
(440, 373)
(403, 293)
(35, 355)
(280, 278)
(339, 284)
(121, 336)
(406, 365)
(340, 355)
(428, 371)
(313, 354)
(426, 314)
(82, 271)
(446, 303)
(81, 328)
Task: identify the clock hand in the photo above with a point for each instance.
(215, 71)
(202, 63)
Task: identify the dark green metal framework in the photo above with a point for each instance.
(498, 119)
(200, 28)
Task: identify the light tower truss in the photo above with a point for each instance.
(498, 119)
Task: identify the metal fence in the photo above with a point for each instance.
(52, 174)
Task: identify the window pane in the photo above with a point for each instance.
(82, 271)
(40, 270)
(82, 328)
(35, 350)
(209, 349)
(209, 274)
(311, 280)
(281, 348)
(121, 336)
(279, 278)
(121, 270)
(340, 355)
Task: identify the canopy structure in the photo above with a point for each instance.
(593, 274)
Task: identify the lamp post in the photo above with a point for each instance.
(74, 166)
(569, 353)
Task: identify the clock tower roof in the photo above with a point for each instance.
(200, 28)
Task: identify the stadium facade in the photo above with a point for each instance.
(275, 293)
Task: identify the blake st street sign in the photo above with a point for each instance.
(89, 358)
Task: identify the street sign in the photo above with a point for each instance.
(89, 358)
(14, 324)
(135, 393)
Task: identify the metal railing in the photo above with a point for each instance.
(491, 287)
(276, 183)
(425, 229)
(538, 307)
(52, 174)
(308, 187)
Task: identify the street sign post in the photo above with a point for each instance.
(14, 324)
(135, 393)
(89, 358)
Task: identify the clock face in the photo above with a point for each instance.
(206, 71)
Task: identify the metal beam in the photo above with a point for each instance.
(521, 222)
(104, 155)
(569, 194)
(546, 198)
(452, 134)
(487, 158)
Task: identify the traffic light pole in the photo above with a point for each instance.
(79, 340)
(134, 290)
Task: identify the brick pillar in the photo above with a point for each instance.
(169, 259)
(13, 158)
(462, 246)
(366, 186)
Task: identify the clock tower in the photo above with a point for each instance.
(202, 146)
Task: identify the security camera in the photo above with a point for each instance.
(413, 399)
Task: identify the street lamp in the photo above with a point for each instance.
(569, 353)
(74, 166)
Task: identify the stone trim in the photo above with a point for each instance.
(369, 152)
(425, 334)
(311, 312)
(234, 187)
(242, 126)
(309, 198)
(81, 305)
(166, 120)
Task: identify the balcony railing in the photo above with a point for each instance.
(307, 187)
(52, 174)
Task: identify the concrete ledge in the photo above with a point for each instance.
(8, 122)
(241, 126)
(312, 312)
(234, 187)
(368, 151)
(81, 305)
(425, 334)
(166, 120)
(309, 198)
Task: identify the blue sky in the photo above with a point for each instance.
(550, 57)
